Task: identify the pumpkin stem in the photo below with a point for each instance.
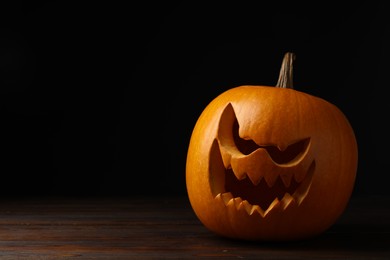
(286, 71)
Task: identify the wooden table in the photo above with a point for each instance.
(167, 228)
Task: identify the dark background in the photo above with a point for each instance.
(100, 98)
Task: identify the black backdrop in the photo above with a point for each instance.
(100, 98)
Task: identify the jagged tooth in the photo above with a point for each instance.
(257, 209)
(248, 207)
(275, 205)
(255, 178)
(286, 178)
(270, 178)
(237, 202)
(230, 203)
(240, 176)
(238, 169)
(287, 201)
(226, 197)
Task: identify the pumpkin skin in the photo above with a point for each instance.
(269, 163)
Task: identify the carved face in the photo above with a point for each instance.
(270, 164)
(262, 175)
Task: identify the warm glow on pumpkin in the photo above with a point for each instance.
(270, 163)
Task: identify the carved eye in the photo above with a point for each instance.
(289, 154)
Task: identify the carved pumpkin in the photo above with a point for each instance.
(270, 163)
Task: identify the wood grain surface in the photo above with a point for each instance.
(167, 228)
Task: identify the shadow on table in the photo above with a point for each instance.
(362, 232)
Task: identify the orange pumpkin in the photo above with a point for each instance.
(270, 163)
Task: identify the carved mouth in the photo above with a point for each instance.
(259, 179)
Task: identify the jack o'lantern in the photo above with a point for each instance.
(270, 163)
